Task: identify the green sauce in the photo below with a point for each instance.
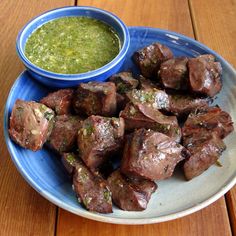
(72, 45)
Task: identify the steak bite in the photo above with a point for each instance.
(205, 75)
(204, 153)
(64, 133)
(95, 98)
(98, 138)
(124, 82)
(173, 73)
(60, 101)
(147, 83)
(149, 59)
(130, 194)
(151, 155)
(30, 124)
(157, 99)
(91, 189)
(182, 105)
(69, 161)
(143, 116)
(211, 119)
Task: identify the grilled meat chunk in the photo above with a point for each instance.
(91, 189)
(69, 161)
(149, 59)
(211, 119)
(143, 116)
(151, 155)
(205, 75)
(98, 138)
(147, 83)
(182, 105)
(157, 99)
(124, 82)
(130, 194)
(30, 124)
(95, 98)
(174, 72)
(60, 101)
(64, 133)
(204, 153)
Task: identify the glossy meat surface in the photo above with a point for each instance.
(60, 101)
(30, 124)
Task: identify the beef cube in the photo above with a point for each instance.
(124, 82)
(69, 161)
(60, 101)
(130, 194)
(173, 73)
(91, 190)
(205, 75)
(64, 133)
(204, 153)
(98, 138)
(211, 119)
(151, 155)
(121, 101)
(95, 98)
(147, 83)
(149, 59)
(182, 105)
(30, 124)
(157, 99)
(143, 116)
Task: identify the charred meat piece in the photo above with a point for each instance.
(69, 161)
(157, 99)
(30, 124)
(60, 101)
(98, 138)
(205, 75)
(182, 105)
(95, 98)
(151, 155)
(147, 83)
(124, 82)
(211, 119)
(149, 59)
(143, 116)
(173, 73)
(64, 133)
(130, 194)
(91, 190)
(204, 153)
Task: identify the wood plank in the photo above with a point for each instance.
(213, 220)
(210, 221)
(169, 14)
(23, 210)
(214, 23)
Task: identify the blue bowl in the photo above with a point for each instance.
(69, 80)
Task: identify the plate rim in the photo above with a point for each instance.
(108, 218)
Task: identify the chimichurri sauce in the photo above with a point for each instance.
(72, 45)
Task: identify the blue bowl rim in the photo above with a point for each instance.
(73, 77)
(108, 218)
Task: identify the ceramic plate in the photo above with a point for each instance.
(175, 197)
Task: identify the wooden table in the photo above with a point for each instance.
(22, 210)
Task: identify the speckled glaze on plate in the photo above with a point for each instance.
(175, 197)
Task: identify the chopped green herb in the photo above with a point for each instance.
(48, 115)
(218, 163)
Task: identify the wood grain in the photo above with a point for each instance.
(169, 14)
(23, 210)
(213, 220)
(215, 26)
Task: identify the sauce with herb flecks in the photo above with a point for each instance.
(72, 45)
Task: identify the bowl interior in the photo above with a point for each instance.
(175, 197)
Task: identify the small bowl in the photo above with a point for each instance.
(69, 80)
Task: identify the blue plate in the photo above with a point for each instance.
(175, 196)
